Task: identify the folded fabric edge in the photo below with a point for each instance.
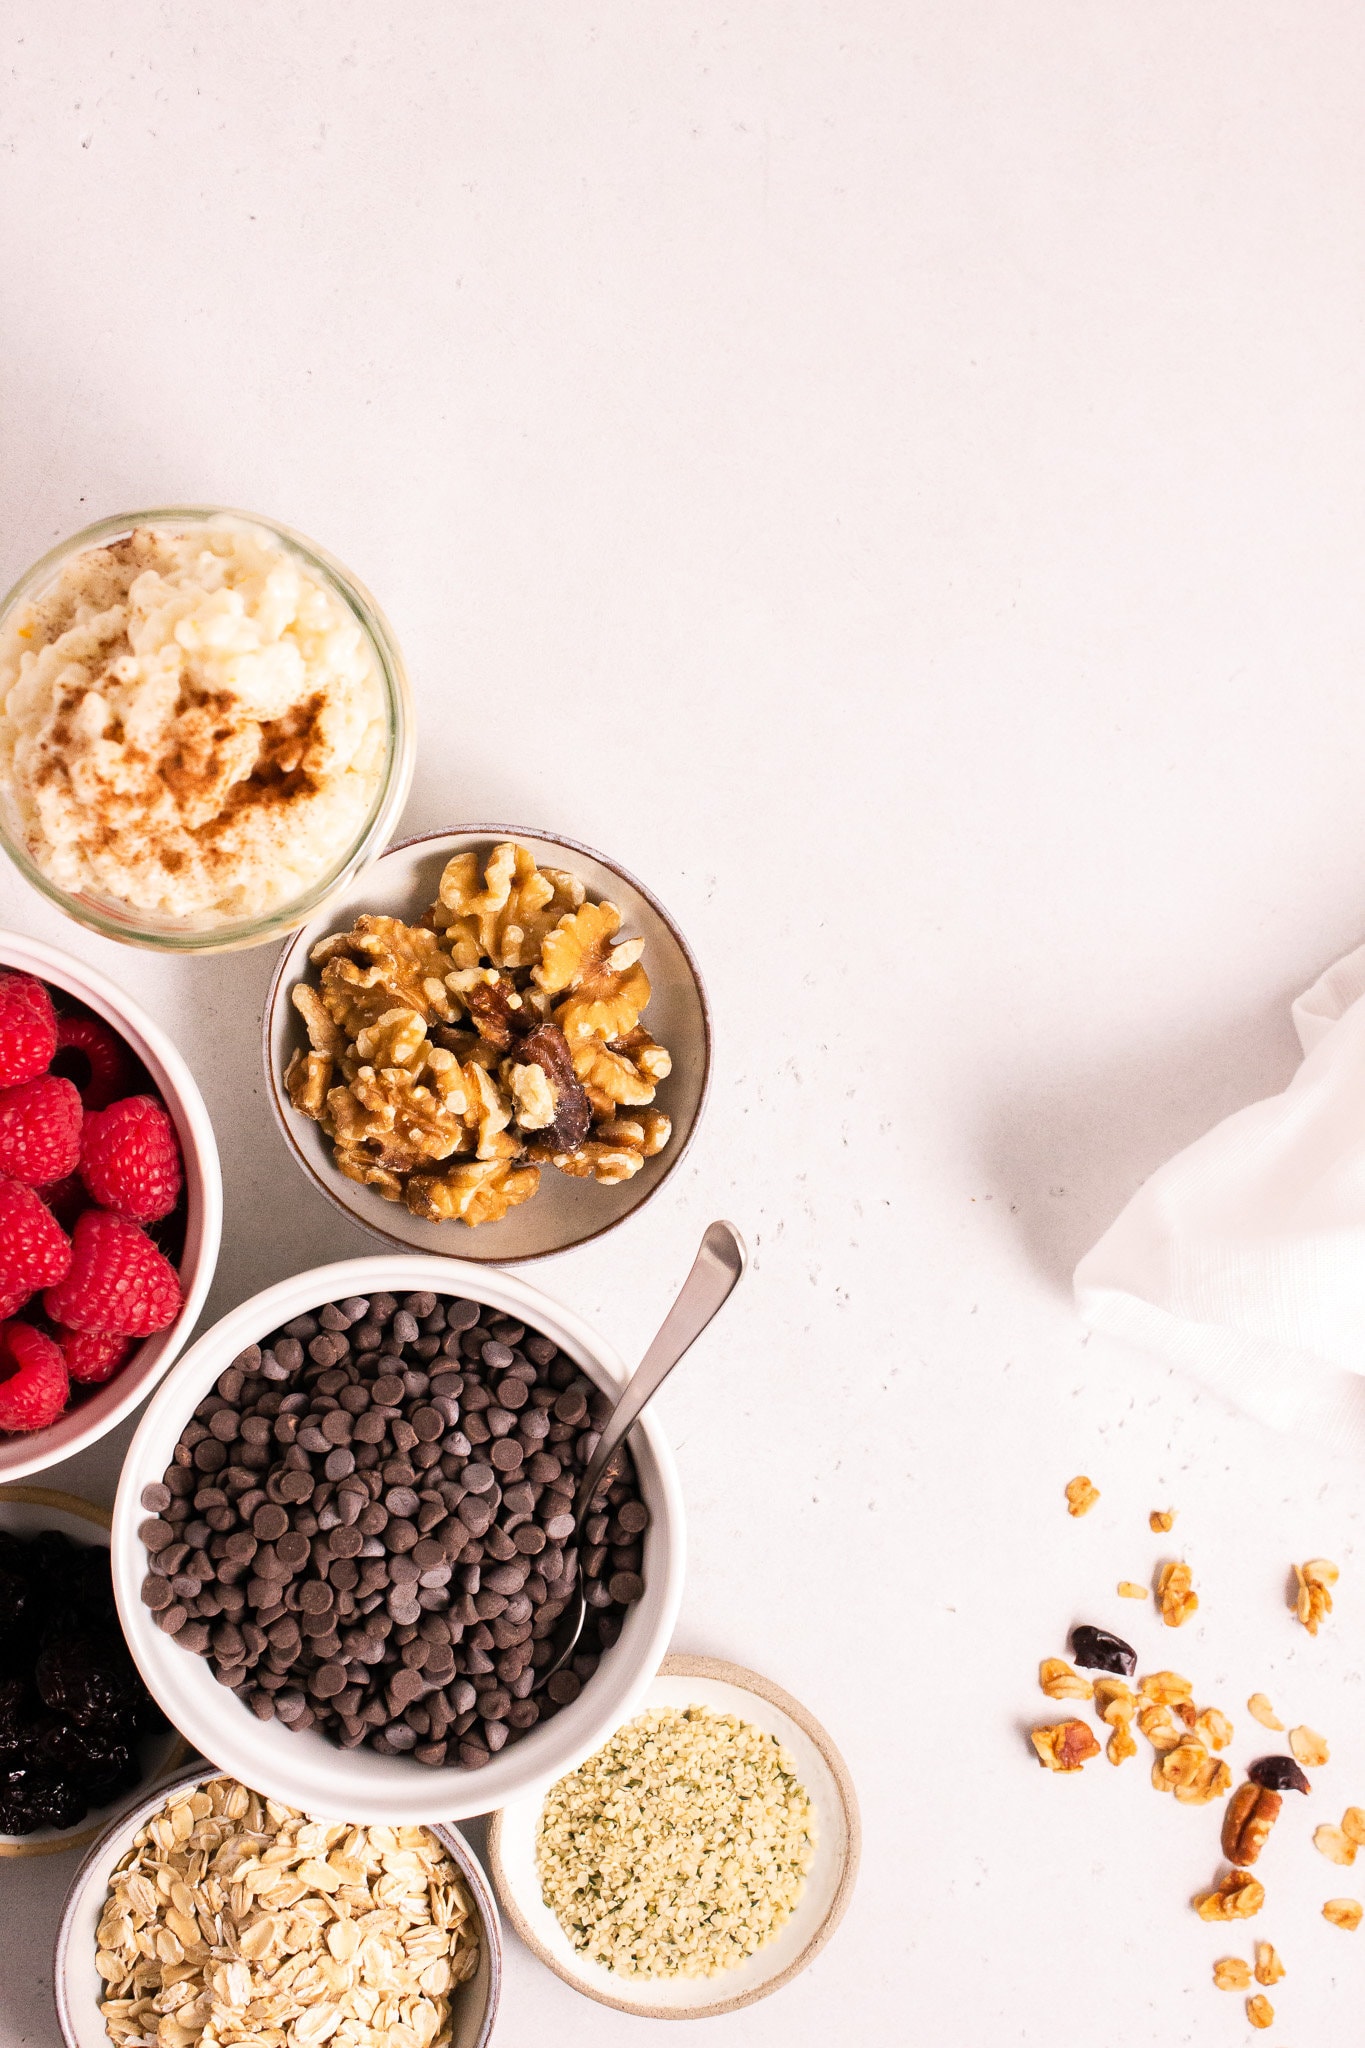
(1284, 1388)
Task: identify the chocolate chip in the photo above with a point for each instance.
(269, 1522)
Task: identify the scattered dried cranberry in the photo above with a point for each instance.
(1278, 1774)
(1097, 1650)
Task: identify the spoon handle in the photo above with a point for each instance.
(716, 1269)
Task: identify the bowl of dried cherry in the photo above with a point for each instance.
(110, 1205)
(79, 1732)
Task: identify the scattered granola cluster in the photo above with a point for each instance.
(1184, 1739)
(451, 1059)
(238, 1921)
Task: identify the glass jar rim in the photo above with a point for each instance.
(133, 928)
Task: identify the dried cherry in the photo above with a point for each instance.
(1097, 1650)
(1278, 1774)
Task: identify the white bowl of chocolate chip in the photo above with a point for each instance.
(339, 1543)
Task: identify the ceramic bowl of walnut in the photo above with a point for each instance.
(492, 1043)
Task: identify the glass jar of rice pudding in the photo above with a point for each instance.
(205, 728)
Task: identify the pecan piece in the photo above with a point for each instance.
(1252, 1812)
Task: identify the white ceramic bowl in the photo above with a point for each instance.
(26, 1510)
(97, 1409)
(78, 1989)
(722, 1689)
(563, 1212)
(305, 1768)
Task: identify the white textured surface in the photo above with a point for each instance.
(893, 477)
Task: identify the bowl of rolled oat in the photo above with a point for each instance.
(493, 1043)
(208, 1911)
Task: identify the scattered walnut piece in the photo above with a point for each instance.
(1344, 1913)
(1353, 1825)
(1231, 1974)
(1213, 1727)
(1260, 1709)
(1175, 1591)
(1314, 1603)
(1251, 1813)
(1115, 1700)
(1237, 1896)
(1161, 1520)
(1065, 1746)
(1165, 1688)
(1330, 1841)
(1129, 1590)
(1260, 2011)
(1269, 1968)
(1120, 1745)
(1080, 1495)
(1060, 1682)
(1309, 1747)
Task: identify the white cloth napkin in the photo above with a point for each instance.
(1243, 1258)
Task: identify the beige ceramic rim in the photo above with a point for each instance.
(281, 1108)
(98, 1518)
(748, 1681)
(141, 1809)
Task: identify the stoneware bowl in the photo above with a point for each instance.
(97, 1409)
(723, 1689)
(27, 1510)
(305, 1768)
(78, 1988)
(564, 1211)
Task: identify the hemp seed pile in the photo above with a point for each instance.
(680, 1848)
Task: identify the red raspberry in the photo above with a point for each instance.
(95, 1058)
(66, 1199)
(119, 1282)
(36, 1388)
(40, 1130)
(91, 1357)
(34, 1249)
(28, 1028)
(130, 1158)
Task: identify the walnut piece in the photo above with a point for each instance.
(1161, 1520)
(1314, 1602)
(1308, 1747)
(1260, 1709)
(1236, 1896)
(1344, 1913)
(1060, 1682)
(1260, 2012)
(1231, 1974)
(1176, 1595)
(1251, 1813)
(1080, 1495)
(1269, 1968)
(1065, 1746)
(449, 1059)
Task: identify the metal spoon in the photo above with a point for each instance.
(718, 1266)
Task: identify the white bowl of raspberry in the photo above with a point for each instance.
(111, 1205)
